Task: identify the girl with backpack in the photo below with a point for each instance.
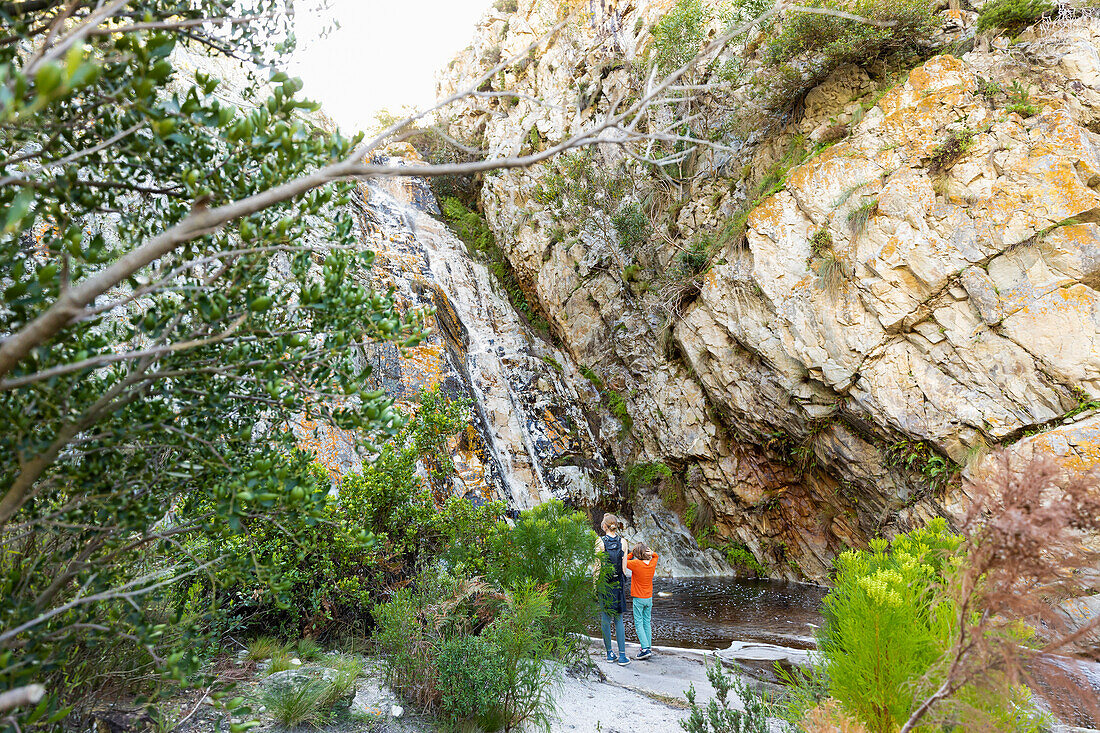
(611, 587)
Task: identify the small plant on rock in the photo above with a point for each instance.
(645, 474)
(632, 226)
(694, 259)
(1019, 100)
(832, 273)
(821, 242)
(948, 152)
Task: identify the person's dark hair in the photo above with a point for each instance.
(641, 551)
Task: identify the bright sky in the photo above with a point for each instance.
(383, 56)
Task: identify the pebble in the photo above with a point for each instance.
(397, 711)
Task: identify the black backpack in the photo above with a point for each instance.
(612, 593)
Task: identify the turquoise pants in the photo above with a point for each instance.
(643, 620)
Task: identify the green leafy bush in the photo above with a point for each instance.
(679, 35)
(718, 716)
(471, 677)
(886, 625)
(891, 625)
(534, 601)
(632, 226)
(520, 633)
(380, 527)
(1012, 15)
(443, 613)
(552, 546)
(149, 404)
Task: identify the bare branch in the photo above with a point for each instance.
(168, 25)
(21, 696)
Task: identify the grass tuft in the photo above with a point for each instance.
(307, 650)
(832, 272)
(858, 218)
(264, 647)
(295, 705)
(280, 662)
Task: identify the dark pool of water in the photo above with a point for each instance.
(711, 613)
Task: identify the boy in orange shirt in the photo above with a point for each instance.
(639, 566)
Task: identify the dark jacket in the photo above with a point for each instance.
(612, 583)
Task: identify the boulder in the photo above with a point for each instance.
(304, 675)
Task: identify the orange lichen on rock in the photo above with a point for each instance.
(333, 447)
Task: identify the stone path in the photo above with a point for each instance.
(647, 695)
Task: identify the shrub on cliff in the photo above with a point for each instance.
(830, 41)
(679, 34)
(805, 48)
(1012, 15)
(474, 231)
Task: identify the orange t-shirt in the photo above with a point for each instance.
(641, 576)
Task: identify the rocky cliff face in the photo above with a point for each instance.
(922, 289)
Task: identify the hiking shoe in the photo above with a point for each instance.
(611, 656)
(644, 654)
(623, 661)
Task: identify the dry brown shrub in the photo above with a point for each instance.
(829, 717)
(1023, 553)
